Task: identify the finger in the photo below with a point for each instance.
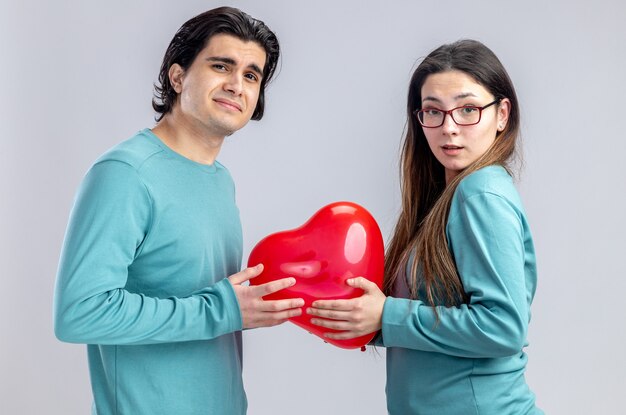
(246, 274)
(362, 283)
(330, 314)
(342, 305)
(274, 306)
(273, 318)
(343, 335)
(293, 312)
(332, 324)
(274, 286)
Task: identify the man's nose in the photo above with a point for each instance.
(234, 83)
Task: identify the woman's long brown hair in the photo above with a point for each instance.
(420, 233)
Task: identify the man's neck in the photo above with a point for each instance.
(193, 144)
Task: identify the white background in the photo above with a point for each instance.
(76, 78)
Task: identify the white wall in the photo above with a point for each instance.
(77, 78)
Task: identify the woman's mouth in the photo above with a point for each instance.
(451, 149)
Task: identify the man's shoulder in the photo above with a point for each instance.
(134, 151)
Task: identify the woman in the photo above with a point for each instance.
(460, 269)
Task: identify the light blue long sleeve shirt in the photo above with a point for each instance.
(471, 361)
(141, 280)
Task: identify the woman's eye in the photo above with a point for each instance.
(469, 110)
(433, 112)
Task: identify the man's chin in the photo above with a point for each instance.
(229, 130)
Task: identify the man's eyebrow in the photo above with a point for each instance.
(222, 59)
(231, 61)
(256, 69)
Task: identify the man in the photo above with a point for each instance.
(155, 231)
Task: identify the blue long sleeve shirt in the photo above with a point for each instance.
(141, 280)
(472, 360)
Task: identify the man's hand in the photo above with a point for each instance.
(256, 312)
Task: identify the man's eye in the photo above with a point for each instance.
(252, 77)
(219, 67)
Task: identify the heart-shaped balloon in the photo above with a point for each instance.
(340, 241)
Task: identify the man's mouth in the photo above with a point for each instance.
(227, 103)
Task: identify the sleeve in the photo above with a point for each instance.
(487, 239)
(110, 219)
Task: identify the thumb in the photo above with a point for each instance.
(246, 274)
(362, 283)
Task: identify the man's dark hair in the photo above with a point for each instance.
(195, 34)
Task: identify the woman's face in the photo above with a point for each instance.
(457, 146)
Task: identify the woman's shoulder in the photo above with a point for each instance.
(489, 193)
(494, 180)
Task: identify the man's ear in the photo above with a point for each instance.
(176, 74)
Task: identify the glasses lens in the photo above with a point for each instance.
(430, 117)
(466, 115)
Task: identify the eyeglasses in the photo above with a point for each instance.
(465, 115)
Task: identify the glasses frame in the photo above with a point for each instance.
(449, 112)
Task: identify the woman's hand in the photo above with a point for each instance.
(354, 317)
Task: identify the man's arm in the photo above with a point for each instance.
(109, 222)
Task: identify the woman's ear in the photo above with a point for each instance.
(504, 109)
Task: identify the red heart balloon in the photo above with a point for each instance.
(340, 241)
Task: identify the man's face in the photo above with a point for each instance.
(218, 93)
